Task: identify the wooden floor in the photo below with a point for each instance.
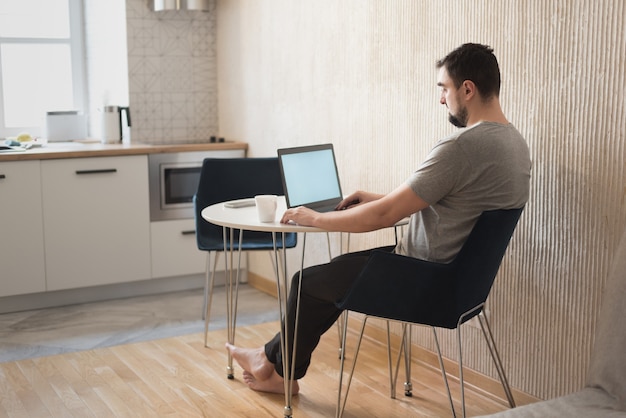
(179, 377)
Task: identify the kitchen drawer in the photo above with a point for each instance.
(174, 249)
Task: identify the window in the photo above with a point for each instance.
(41, 62)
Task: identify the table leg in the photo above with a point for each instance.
(227, 234)
(232, 290)
(235, 297)
(285, 338)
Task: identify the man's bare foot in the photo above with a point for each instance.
(273, 384)
(252, 360)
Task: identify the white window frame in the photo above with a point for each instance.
(77, 47)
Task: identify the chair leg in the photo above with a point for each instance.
(393, 376)
(458, 330)
(209, 283)
(340, 331)
(207, 269)
(484, 325)
(342, 405)
(479, 308)
(404, 348)
(408, 386)
(443, 371)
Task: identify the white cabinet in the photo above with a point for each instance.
(71, 223)
(96, 221)
(174, 249)
(22, 268)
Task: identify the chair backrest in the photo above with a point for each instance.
(223, 179)
(607, 369)
(408, 289)
(479, 260)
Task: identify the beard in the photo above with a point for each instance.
(460, 119)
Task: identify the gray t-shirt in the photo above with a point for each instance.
(483, 167)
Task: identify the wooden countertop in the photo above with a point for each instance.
(96, 149)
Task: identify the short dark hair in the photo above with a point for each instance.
(474, 62)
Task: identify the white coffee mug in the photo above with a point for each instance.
(266, 207)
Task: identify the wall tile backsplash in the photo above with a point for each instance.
(172, 74)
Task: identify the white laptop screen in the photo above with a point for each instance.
(310, 177)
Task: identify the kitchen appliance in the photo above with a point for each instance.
(173, 181)
(112, 123)
(65, 126)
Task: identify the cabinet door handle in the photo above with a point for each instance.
(104, 170)
(2, 176)
(189, 232)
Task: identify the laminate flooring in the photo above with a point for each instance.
(87, 326)
(145, 357)
(180, 377)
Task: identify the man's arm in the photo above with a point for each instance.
(357, 198)
(362, 217)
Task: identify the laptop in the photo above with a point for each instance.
(310, 177)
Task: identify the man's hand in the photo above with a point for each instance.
(300, 215)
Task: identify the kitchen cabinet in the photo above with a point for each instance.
(174, 249)
(96, 221)
(75, 225)
(22, 266)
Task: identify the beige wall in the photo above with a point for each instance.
(360, 74)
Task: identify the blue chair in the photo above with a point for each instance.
(223, 179)
(412, 291)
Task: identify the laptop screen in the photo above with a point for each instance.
(310, 177)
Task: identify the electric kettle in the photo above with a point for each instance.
(112, 123)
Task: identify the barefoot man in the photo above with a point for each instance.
(485, 165)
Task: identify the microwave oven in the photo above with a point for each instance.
(173, 181)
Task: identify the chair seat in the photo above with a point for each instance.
(430, 293)
(253, 241)
(389, 276)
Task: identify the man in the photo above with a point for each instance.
(484, 166)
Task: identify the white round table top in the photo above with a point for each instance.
(246, 218)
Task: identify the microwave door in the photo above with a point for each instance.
(178, 186)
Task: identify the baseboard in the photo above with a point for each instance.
(262, 283)
(99, 293)
(475, 381)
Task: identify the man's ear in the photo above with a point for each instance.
(469, 88)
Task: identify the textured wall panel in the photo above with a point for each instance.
(361, 74)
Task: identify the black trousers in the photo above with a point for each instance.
(322, 286)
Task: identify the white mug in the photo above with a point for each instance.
(266, 207)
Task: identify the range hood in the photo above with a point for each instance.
(163, 5)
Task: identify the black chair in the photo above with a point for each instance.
(223, 179)
(413, 291)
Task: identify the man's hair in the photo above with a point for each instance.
(474, 62)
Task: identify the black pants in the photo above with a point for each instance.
(322, 286)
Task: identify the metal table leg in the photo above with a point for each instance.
(285, 338)
(232, 290)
